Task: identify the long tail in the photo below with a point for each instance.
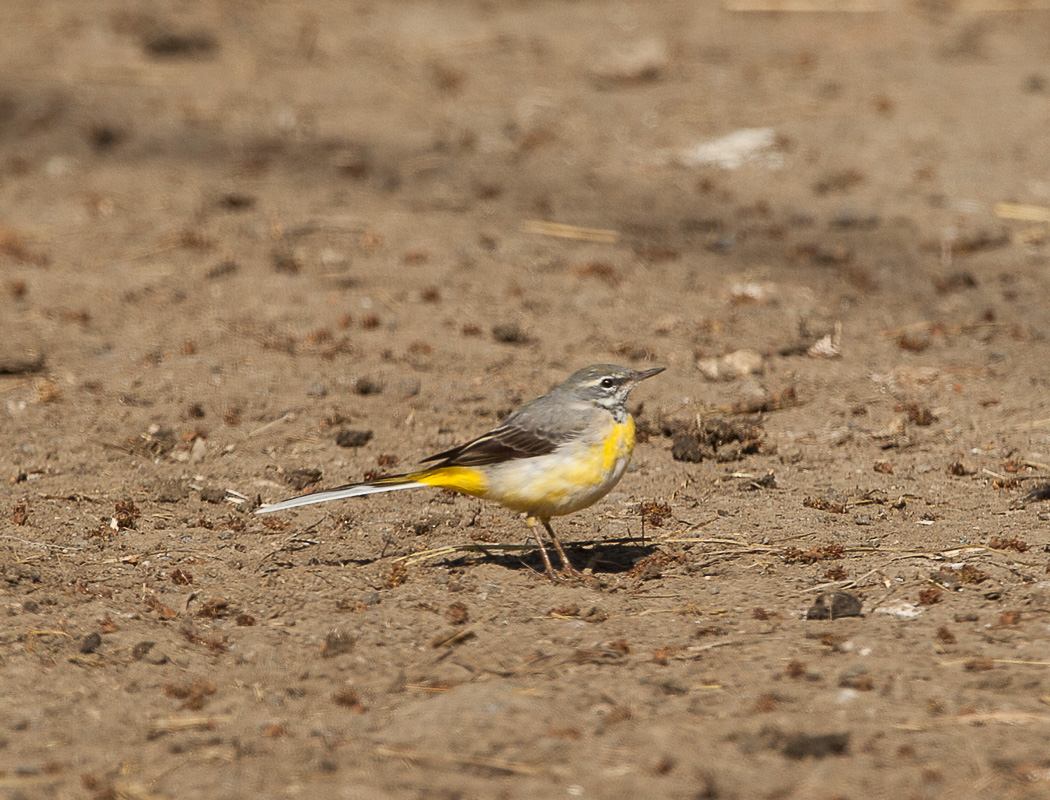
(460, 479)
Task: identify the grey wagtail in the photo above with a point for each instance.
(555, 455)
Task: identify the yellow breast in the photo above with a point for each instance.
(574, 476)
(593, 464)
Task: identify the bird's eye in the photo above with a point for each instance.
(608, 383)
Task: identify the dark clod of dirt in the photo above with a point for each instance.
(170, 491)
(821, 254)
(337, 643)
(237, 201)
(17, 573)
(181, 578)
(284, 260)
(213, 494)
(457, 614)
(823, 504)
(914, 341)
(1035, 84)
(180, 44)
(351, 438)
(918, 415)
(821, 745)
(21, 366)
(653, 513)
(945, 636)
(367, 386)
(858, 678)
(223, 269)
(820, 552)
(970, 574)
(595, 615)
(653, 566)
(687, 448)
(954, 281)
(20, 513)
(194, 695)
(568, 610)
(930, 596)
(976, 241)
(834, 606)
(1009, 619)
(398, 575)
(299, 479)
(348, 698)
(125, 513)
(718, 440)
(139, 651)
(767, 481)
(837, 182)
(849, 218)
(961, 469)
(215, 608)
(1038, 493)
(509, 333)
(146, 651)
(90, 643)
(1008, 543)
(104, 137)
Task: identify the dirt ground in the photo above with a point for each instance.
(249, 249)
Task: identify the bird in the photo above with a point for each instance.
(555, 455)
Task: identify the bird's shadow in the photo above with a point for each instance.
(609, 558)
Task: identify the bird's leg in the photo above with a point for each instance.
(567, 566)
(531, 522)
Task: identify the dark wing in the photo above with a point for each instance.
(503, 444)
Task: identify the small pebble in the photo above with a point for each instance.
(835, 605)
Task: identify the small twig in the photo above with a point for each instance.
(1023, 212)
(1015, 661)
(41, 545)
(1036, 423)
(451, 759)
(173, 724)
(295, 538)
(285, 418)
(1002, 717)
(561, 230)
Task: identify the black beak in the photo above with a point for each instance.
(641, 376)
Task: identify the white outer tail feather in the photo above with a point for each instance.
(336, 494)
